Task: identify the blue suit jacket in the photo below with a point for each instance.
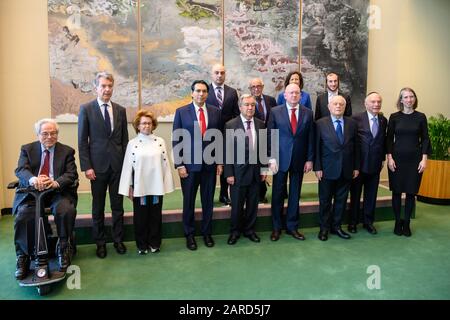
(64, 170)
(332, 157)
(295, 148)
(97, 150)
(373, 150)
(185, 118)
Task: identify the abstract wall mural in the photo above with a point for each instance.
(181, 39)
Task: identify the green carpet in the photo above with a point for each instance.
(411, 268)
(174, 200)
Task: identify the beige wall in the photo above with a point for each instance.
(410, 49)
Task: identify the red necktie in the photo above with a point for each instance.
(202, 121)
(45, 170)
(293, 121)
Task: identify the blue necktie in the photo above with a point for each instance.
(374, 127)
(339, 134)
(107, 120)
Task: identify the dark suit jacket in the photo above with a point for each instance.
(332, 157)
(185, 118)
(294, 148)
(373, 150)
(270, 102)
(230, 105)
(97, 150)
(322, 106)
(64, 169)
(244, 173)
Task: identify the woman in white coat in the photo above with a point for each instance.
(146, 177)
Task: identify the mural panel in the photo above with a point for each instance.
(261, 40)
(335, 38)
(180, 41)
(85, 37)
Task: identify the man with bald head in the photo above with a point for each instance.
(372, 137)
(294, 124)
(226, 99)
(336, 164)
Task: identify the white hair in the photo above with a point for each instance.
(38, 124)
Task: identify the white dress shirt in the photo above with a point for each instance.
(102, 110)
(252, 128)
(147, 157)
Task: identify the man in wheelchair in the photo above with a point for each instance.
(45, 164)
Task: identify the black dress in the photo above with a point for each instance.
(407, 141)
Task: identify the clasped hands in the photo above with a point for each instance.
(44, 182)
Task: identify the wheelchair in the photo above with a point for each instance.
(44, 266)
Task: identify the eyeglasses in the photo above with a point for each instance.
(145, 124)
(49, 134)
(256, 87)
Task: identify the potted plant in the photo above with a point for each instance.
(435, 186)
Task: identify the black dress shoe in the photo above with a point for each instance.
(225, 200)
(120, 247)
(253, 237)
(296, 235)
(323, 235)
(370, 228)
(406, 229)
(191, 244)
(398, 229)
(208, 240)
(341, 233)
(275, 236)
(232, 239)
(352, 228)
(22, 267)
(101, 251)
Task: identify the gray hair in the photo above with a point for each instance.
(244, 96)
(38, 124)
(258, 79)
(105, 75)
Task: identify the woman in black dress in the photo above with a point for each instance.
(408, 146)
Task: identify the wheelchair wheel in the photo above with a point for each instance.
(43, 290)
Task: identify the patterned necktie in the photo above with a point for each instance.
(249, 133)
(202, 121)
(374, 127)
(339, 134)
(45, 170)
(219, 96)
(107, 120)
(293, 121)
(260, 108)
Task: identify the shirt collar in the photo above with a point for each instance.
(198, 107)
(290, 107)
(101, 103)
(371, 115)
(216, 86)
(333, 118)
(244, 121)
(51, 149)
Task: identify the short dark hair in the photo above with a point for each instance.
(199, 81)
(288, 78)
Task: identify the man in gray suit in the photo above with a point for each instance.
(102, 141)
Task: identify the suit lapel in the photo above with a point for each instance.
(346, 130)
(285, 115)
(116, 119)
(36, 153)
(332, 130)
(100, 116)
(56, 162)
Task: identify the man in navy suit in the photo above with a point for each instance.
(372, 137)
(243, 169)
(332, 84)
(264, 103)
(225, 99)
(102, 142)
(294, 123)
(336, 164)
(45, 164)
(192, 127)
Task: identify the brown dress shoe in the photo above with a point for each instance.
(275, 236)
(296, 235)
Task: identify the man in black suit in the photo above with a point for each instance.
(45, 164)
(264, 104)
(226, 99)
(194, 125)
(332, 84)
(336, 163)
(372, 137)
(102, 142)
(243, 168)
